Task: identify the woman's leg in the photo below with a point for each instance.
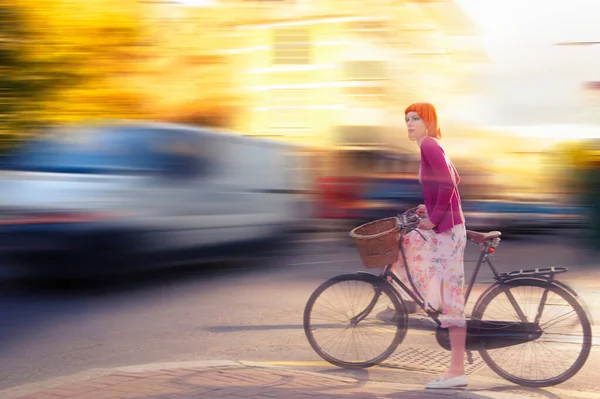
(452, 247)
(458, 337)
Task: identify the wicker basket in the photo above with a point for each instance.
(377, 242)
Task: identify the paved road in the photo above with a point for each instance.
(248, 310)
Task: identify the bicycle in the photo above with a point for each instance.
(512, 333)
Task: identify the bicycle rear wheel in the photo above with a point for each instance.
(355, 320)
(561, 350)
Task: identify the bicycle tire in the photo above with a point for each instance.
(519, 286)
(397, 327)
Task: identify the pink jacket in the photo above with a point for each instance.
(439, 181)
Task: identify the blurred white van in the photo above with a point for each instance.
(123, 195)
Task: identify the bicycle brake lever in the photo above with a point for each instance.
(404, 221)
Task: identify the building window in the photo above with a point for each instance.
(292, 45)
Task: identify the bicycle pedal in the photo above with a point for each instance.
(470, 357)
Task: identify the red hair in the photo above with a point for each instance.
(427, 112)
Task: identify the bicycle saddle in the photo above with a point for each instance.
(480, 238)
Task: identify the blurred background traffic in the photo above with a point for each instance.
(148, 133)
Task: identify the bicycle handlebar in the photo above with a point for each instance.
(409, 219)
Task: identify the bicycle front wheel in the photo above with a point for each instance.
(355, 320)
(566, 338)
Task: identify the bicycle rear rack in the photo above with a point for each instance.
(547, 272)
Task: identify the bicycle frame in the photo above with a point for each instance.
(415, 295)
(490, 334)
(484, 257)
(479, 332)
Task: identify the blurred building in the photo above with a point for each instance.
(332, 75)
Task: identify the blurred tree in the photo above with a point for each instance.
(578, 164)
(568, 161)
(65, 60)
(21, 80)
(189, 77)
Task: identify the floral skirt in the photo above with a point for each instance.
(436, 267)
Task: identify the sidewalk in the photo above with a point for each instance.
(223, 380)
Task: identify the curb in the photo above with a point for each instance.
(55, 382)
(28, 389)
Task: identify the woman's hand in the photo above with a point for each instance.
(426, 224)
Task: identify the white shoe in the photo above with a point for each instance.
(441, 383)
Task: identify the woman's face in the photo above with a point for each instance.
(416, 126)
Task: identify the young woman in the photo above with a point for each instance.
(437, 264)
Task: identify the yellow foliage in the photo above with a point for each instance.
(107, 58)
